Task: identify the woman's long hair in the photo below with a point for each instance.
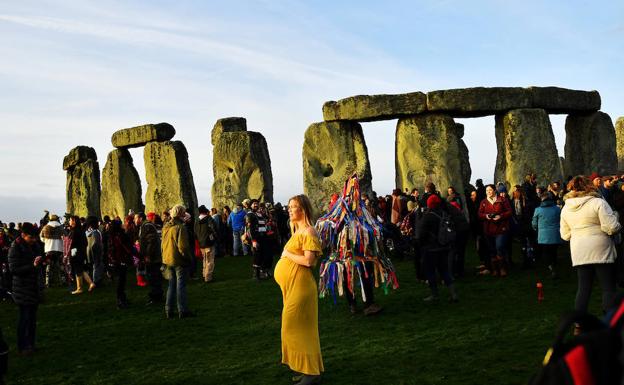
(581, 184)
(304, 203)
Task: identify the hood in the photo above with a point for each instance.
(547, 203)
(173, 222)
(205, 219)
(576, 203)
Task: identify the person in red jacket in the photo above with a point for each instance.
(494, 212)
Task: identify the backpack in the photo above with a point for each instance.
(446, 230)
(594, 357)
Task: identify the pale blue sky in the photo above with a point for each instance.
(73, 72)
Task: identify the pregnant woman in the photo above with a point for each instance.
(301, 347)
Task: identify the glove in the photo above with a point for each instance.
(74, 252)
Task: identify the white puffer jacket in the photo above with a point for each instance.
(587, 221)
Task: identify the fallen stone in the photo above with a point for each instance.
(141, 135)
(242, 169)
(590, 144)
(619, 140)
(478, 101)
(228, 125)
(78, 155)
(368, 108)
(333, 152)
(83, 189)
(428, 150)
(526, 144)
(169, 177)
(556, 100)
(121, 185)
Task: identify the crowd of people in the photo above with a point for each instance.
(431, 227)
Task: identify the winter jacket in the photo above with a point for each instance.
(176, 248)
(546, 221)
(236, 220)
(119, 249)
(427, 231)
(149, 243)
(94, 245)
(25, 274)
(500, 207)
(206, 231)
(587, 221)
(78, 241)
(52, 236)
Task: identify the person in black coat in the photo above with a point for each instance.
(434, 254)
(25, 261)
(78, 255)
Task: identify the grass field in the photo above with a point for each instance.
(497, 333)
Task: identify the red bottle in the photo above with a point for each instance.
(540, 292)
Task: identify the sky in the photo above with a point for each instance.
(73, 72)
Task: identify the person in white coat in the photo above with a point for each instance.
(52, 237)
(587, 221)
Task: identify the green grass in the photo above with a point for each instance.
(497, 333)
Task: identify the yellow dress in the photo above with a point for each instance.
(301, 347)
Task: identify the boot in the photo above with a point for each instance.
(501, 264)
(256, 273)
(495, 267)
(78, 286)
(87, 278)
(433, 297)
(454, 298)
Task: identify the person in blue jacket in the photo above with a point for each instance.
(236, 221)
(546, 222)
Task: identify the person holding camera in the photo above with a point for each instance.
(25, 261)
(495, 212)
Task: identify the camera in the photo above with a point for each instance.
(491, 216)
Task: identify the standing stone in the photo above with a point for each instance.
(619, 139)
(590, 144)
(169, 177)
(242, 168)
(141, 135)
(562, 165)
(83, 182)
(464, 158)
(427, 149)
(333, 152)
(121, 185)
(526, 144)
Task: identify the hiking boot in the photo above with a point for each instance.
(372, 309)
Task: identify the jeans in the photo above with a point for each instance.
(436, 260)
(98, 269)
(238, 247)
(154, 278)
(26, 327)
(208, 254)
(122, 274)
(177, 289)
(586, 274)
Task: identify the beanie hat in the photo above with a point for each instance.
(29, 229)
(593, 176)
(433, 202)
(501, 188)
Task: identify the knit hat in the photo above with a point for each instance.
(150, 216)
(593, 176)
(501, 188)
(433, 202)
(29, 229)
